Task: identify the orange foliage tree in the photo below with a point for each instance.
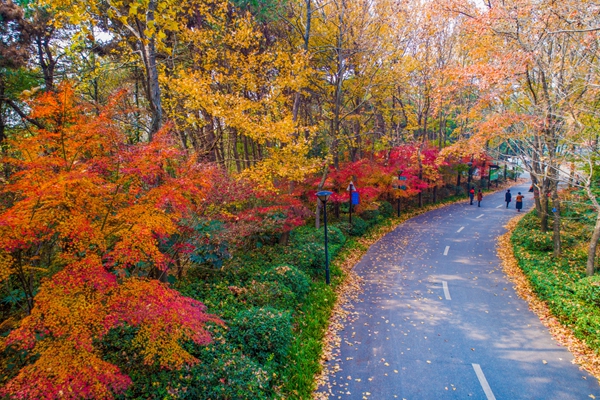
(90, 212)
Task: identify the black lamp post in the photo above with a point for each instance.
(399, 188)
(324, 196)
(351, 189)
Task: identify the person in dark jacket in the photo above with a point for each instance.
(507, 197)
(471, 195)
(479, 198)
(519, 202)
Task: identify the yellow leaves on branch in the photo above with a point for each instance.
(6, 265)
(290, 163)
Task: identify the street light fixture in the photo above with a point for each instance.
(324, 196)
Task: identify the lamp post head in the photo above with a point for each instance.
(323, 195)
(470, 164)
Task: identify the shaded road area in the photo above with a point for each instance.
(438, 319)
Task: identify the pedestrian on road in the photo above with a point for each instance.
(507, 197)
(471, 195)
(519, 203)
(479, 198)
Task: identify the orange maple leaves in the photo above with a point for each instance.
(96, 209)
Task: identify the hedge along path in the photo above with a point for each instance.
(349, 287)
(585, 357)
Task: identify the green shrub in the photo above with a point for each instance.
(290, 277)
(227, 373)
(316, 251)
(344, 227)
(210, 252)
(262, 333)
(217, 296)
(305, 234)
(267, 293)
(370, 215)
(334, 235)
(588, 327)
(309, 244)
(386, 209)
(588, 290)
(298, 254)
(223, 372)
(359, 226)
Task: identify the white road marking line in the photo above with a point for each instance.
(484, 383)
(446, 291)
(446, 250)
(501, 205)
(461, 228)
(479, 216)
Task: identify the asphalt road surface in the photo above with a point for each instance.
(439, 320)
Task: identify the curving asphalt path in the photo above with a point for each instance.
(438, 319)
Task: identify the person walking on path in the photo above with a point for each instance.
(471, 195)
(507, 197)
(479, 198)
(519, 203)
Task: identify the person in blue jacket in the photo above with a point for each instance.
(507, 197)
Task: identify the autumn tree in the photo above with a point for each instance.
(146, 30)
(532, 74)
(88, 213)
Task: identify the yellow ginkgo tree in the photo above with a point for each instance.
(233, 102)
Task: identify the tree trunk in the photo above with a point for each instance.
(147, 46)
(46, 60)
(306, 37)
(246, 152)
(556, 224)
(544, 212)
(284, 238)
(236, 155)
(589, 270)
(338, 92)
